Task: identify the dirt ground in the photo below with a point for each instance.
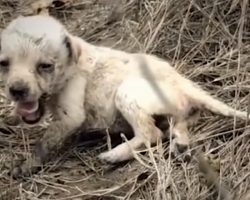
(208, 41)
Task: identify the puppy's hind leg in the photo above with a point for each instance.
(180, 143)
(181, 139)
(142, 123)
(146, 133)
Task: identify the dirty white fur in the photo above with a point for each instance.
(102, 81)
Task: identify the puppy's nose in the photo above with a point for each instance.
(19, 91)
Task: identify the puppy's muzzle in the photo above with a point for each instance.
(27, 105)
(19, 91)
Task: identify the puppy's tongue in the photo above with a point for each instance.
(28, 110)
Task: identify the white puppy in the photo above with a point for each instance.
(89, 85)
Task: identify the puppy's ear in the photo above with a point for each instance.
(73, 48)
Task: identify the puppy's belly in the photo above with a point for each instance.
(120, 125)
(99, 119)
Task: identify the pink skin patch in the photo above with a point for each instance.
(183, 103)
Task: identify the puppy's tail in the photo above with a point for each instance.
(203, 99)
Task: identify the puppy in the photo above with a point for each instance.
(89, 85)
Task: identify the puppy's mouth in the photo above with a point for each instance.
(30, 111)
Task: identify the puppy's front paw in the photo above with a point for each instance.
(120, 153)
(108, 157)
(41, 151)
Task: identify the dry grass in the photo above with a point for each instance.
(207, 41)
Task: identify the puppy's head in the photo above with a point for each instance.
(36, 58)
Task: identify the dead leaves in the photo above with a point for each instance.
(42, 7)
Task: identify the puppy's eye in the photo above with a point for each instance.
(4, 64)
(45, 67)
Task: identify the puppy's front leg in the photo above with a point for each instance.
(70, 115)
